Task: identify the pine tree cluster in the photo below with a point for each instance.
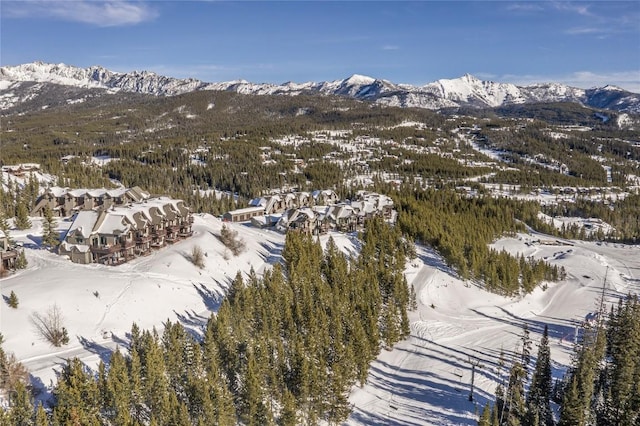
(462, 228)
(515, 405)
(602, 387)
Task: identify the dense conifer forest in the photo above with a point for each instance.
(462, 228)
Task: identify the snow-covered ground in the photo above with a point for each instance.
(424, 380)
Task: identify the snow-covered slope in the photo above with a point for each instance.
(424, 380)
(469, 89)
(445, 93)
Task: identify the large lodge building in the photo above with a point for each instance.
(114, 226)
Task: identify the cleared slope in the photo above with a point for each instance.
(425, 380)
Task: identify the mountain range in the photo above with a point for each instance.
(25, 82)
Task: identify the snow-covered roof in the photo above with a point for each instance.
(134, 213)
(96, 193)
(246, 210)
(261, 220)
(137, 193)
(82, 248)
(114, 224)
(160, 203)
(323, 192)
(83, 222)
(118, 192)
(78, 192)
(340, 211)
(363, 207)
(309, 212)
(57, 191)
(257, 202)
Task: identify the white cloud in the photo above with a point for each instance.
(390, 47)
(628, 80)
(524, 7)
(99, 13)
(587, 30)
(579, 9)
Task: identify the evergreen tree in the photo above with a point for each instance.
(577, 399)
(288, 416)
(538, 399)
(76, 396)
(117, 392)
(572, 408)
(50, 238)
(13, 300)
(41, 417)
(22, 215)
(155, 384)
(4, 226)
(134, 368)
(525, 358)
(485, 417)
(21, 261)
(413, 302)
(21, 406)
(254, 411)
(619, 383)
(515, 405)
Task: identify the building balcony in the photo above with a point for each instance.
(143, 239)
(105, 249)
(159, 232)
(10, 254)
(126, 244)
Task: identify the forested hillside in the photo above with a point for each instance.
(284, 348)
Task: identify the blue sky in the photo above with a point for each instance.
(583, 44)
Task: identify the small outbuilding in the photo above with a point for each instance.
(243, 215)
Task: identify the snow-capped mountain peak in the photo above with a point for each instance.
(358, 79)
(467, 90)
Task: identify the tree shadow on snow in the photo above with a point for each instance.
(415, 395)
(36, 241)
(103, 352)
(211, 298)
(429, 257)
(272, 252)
(124, 343)
(193, 323)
